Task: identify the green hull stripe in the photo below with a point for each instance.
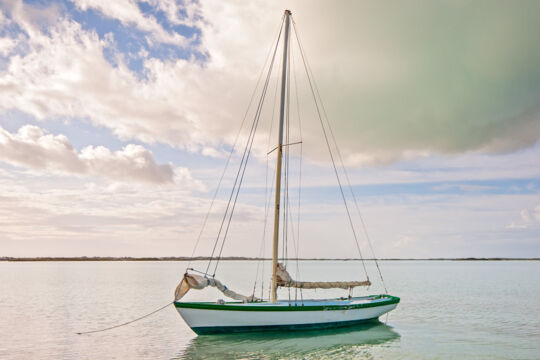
(231, 307)
(239, 329)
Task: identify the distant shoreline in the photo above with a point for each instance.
(237, 258)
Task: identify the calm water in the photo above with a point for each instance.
(448, 310)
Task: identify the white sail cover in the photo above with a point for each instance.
(192, 281)
(285, 280)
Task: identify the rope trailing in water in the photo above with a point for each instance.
(126, 323)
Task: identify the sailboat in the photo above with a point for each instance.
(249, 313)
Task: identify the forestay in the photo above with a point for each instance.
(285, 280)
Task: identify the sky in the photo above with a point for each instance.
(117, 118)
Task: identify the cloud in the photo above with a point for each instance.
(33, 147)
(184, 13)
(6, 44)
(72, 216)
(526, 221)
(525, 215)
(64, 72)
(129, 14)
(396, 88)
(404, 84)
(403, 241)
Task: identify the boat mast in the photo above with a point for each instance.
(273, 295)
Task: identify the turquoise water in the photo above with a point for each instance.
(448, 310)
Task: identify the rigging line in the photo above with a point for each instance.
(329, 147)
(127, 322)
(287, 154)
(366, 234)
(268, 194)
(283, 215)
(263, 242)
(248, 149)
(251, 135)
(290, 215)
(364, 227)
(267, 212)
(261, 248)
(287, 208)
(284, 145)
(258, 266)
(278, 33)
(283, 184)
(229, 202)
(243, 171)
(235, 201)
(300, 170)
(297, 240)
(266, 200)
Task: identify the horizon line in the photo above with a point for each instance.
(244, 258)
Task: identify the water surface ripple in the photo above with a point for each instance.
(448, 310)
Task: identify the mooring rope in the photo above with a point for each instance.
(126, 323)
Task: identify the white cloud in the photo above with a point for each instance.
(393, 90)
(184, 13)
(525, 216)
(6, 44)
(32, 147)
(366, 81)
(129, 13)
(64, 73)
(208, 151)
(403, 241)
(537, 212)
(526, 221)
(514, 225)
(47, 214)
(43, 215)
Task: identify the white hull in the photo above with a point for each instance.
(254, 317)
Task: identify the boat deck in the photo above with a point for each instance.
(298, 305)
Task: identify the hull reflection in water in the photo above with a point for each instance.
(332, 343)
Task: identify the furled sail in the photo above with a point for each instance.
(192, 281)
(285, 280)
